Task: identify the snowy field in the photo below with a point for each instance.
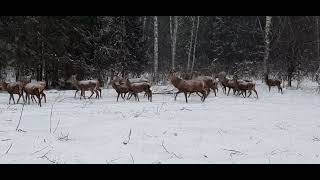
(276, 128)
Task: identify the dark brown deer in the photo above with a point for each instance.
(188, 86)
(211, 84)
(86, 85)
(273, 82)
(42, 85)
(33, 89)
(244, 86)
(135, 88)
(121, 89)
(14, 88)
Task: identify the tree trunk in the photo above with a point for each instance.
(144, 27)
(174, 41)
(190, 46)
(155, 48)
(267, 44)
(318, 38)
(195, 44)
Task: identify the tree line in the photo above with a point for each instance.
(52, 48)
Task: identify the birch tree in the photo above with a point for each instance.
(267, 43)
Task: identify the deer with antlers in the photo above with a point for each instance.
(188, 86)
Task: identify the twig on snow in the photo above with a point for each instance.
(172, 153)
(132, 158)
(40, 150)
(56, 126)
(9, 148)
(108, 162)
(234, 152)
(20, 118)
(126, 142)
(185, 109)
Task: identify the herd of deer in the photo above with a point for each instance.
(202, 85)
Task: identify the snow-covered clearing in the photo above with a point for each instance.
(276, 128)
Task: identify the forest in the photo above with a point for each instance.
(52, 48)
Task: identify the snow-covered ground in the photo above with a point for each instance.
(276, 128)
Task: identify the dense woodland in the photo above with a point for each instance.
(52, 48)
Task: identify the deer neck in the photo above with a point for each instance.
(175, 80)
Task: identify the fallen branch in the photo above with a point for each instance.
(51, 116)
(39, 150)
(46, 157)
(132, 158)
(185, 109)
(9, 148)
(5, 139)
(126, 142)
(20, 118)
(64, 137)
(172, 153)
(234, 152)
(108, 162)
(56, 126)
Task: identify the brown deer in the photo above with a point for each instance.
(273, 82)
(42, 85)
(135, 88)
(211, 84)
(86, 85)
(244, 86)
(231, 84)
(188, 86)
(14, 88)
(33, 89)
(121, 89)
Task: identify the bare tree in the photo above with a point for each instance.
(144, 27)
(318, 37)
(191, 40)
(155, 48)
(267, 43)
(174, 40)
(195, 44)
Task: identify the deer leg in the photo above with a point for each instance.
(19, 98)
(228, 91)
(255, 92)
(118, 97)
(269, 88)
(45, 97)
(189, 95)
(91, 93)
(100, 90)
(250, 92)
(185, 95)
(9, 98)
(137, 96)
(215, 94)
(175, 97)
(150, 94)
(76, 93)
(39, 98)
(13, 99)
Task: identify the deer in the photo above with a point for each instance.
(210, 82)
(188, 86)
(14, 88)
(244, 86)
(33, 89)
(273, 82)
(121, 89)
(86, 85)
(135, 88)
(42, 88)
